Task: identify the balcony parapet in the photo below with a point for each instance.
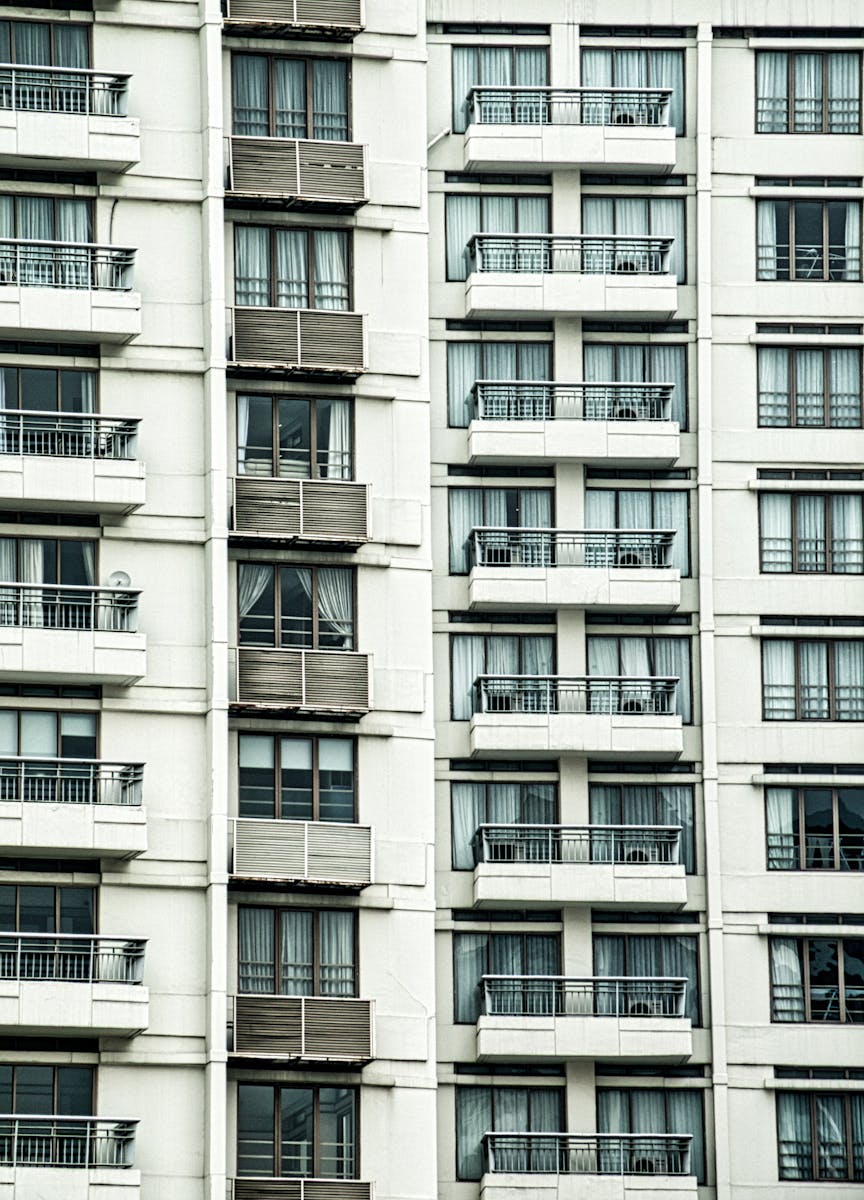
(70, 781)
(585, 254)
(68, 606)
(72, 958)
(75, 90)
(82, 266)
(523, 400)
(632, 844)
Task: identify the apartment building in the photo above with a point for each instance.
(430, 469)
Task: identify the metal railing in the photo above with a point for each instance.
(629, 695)
(70, 781)
(40, 1141)
(68, 435)
(632, 844)
(569, 106)
(589, 996)
(543, 254)
(815, 851)
(67, 606)
(521, 400)
(534, 547)
(587, 1153)
(63, 90)
(72, 957)
(79, 265)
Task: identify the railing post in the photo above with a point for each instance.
(18, 957)
(15, 1123)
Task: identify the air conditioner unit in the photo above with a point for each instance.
(640, 1006)
(623, 118)
(636, 854)
(634, 556)
(647, 1164)
(633, 705)
(624, 411)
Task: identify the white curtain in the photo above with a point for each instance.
(668, 219)
(257, 950)
(807, 83)
(8, 574)
(849, 680)
(811, 544)
(772, 92)
(668, 364)
(603, 656)
(675, 807)
(766, 240)
(252, 582)
(332, 287)
(473, 1120)
(685, 1115)
(329, 100)
(778, 680)
(31, 562)
(781, 806)
(600, 508)
(243, 403)
(73, 225)
(334, 455)
(810, 387)
(252, 265)
(292, 268)
(468, 661)
(250, 95)
(847, 535)
(464, 368)
(844, 389)
(775, 523)
(775, 398)
(462, 222)
(468, 804)
(852, 246)
(794, 1138)
(672, 657)
(289, 98)
(466, 513)
(336, 937)
(296, 953)
(538, 655)
(666, 69)
(844, 93)
(336, 602)
(831, 1137)
(470, 961)
(32, 43)
(787, 984)
(465, 76)
(813, 680)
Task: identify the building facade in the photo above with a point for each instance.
(431, 487)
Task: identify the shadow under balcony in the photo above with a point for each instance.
(302, 1030)
(526, 568)
(72, 807)
(617, 423)
(326, 512)
(72, 984)
(67, 1158)
(312, 854)
(69, 634)
(74, 462)
(525, 275)
(551, 1018)
(66, 117)
(605, 866)
(67, 291)
(327, 683)
(318, 342)
(553, 1166)
(543, 128)
(523, 716)
(296, 173)
(338, 20)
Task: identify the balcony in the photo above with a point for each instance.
(297, 173)
(609, 866)
(305, 853)
(67, 1158)
(332, 683)
(294, 341)
(622, 1166)
(268, 1188)
(72, 807)
(543, 715)
(67, 118)
(74, 462)
(553, 1017)
(305, 1030)
(327, 512)
(627, 423)
(526, 568)
(67, 291)
(544, 128)
(67, 634)
(336, 19)
(526, 275)
(72, 984)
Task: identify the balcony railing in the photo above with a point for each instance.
(518, 400)
(68, 435)
(62, 606)
(314, 171)
(79, 265)
(529, 547)
(568, 106)
(587, 1153)
(70, 781)
(627, 695)
(72, 957)
(63, 90)
(632, 844)
(329, 16)
(39, 1141)
(543, 254)
(560, 996)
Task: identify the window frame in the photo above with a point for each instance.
(803, 943)
(647, 197)
(651, 639)
(796, 568)
(483, 342)
(315, 1088)
(800, 849)
(20, 368)
(791, 275)
(42, 585)
(621, 787)
(309, 109)
(277, 643)
(273, 278)
(55, 201)
(849, 1144)
(824, 129)
(54, 1068)
(58, 714)
(52, 29)
(665, 1092)
(587, 44)
(792, 367)
(482, 196)
(521, 636)
(619, 486)
(830, 677)
(455, 120)
(277, 739)
(493, 1088)
(626, 937)
(314, 464)
(493, 487)
(522, 784)
(645, 347)
(278, 912)
(489, 934)
(56, 888)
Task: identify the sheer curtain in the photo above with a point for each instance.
(794, 1139)
(781, 810)
(329, 100)
(775, 524)
(464, 361)
(332, 288)
(844, 390)
(336, 936)
(538, 655)
(252, 265)
(766, 239)
(462, 222)
(675, 807)
(775, 398)
(778, 680)
(844, 93)
(668, 219)
(257, 950)
(473, 1120)
(74, 225)
(8, 574)
(831, 1137)
(671, 511)
(470, 958)
(813, 680)
(252, 582)
(685, 1115)
(772, 92)
(334, 440)
(468, 661)
(667, 70)
(289, 98)
(297, 953)
(603, 656)
(847, 532)
(465, 76)
(810, 534)
(466, 513)
(672, 657)
(849, 680)
(852, 246)
(810, 387)
(668, 364)
(681, 960)
(787, 983)
(336, 602)
(807, 81)
(249, 78)
(468, 806)
(292, 268)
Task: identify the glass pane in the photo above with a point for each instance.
(75, 1091)
(296, 584)
(38, 735)
(34, 1090)
(809, 248)
(294, 438)
(255, 435)
(850, 820)
(37, 912)
(256, 776)
(297, 803)
(38, 389)
(336, 779)
(256, 1107)
(256, 603)
(296, 1125)
(336, 1132)
(818, 828)
(824, 980)
(853, 978)
(76, 910)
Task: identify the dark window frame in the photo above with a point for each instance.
(800, 850)
(804, 943)
(666, 1092)
(310, 231)
(796, 568)
(792, 352)
(309, 111)
(315, 633)
(18, 538)
(647, 197)
(650, 638)
(645, 348)
(520, 636)
(53, 26)
(791, 272)
(617, 489)
(55, 200)
(482, 196)
(625, 938)
(522, 784)
(815, 1176)
(21, 368)
(831, 644)
(493, 1089)
(56, 888)
(483, 342)
(640, 32)
(312, 402)
(454, 102)
(791, 55)
(497, 488)
(14, 1067)
(317, 989)
(489, 934)
(277, 739)
(58, 714)
(315, 1088)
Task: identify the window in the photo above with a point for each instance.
(817, 979)
(824, 236)
(294, 437)
(607, 67)
(295, 952)
(803, 534)
(820, 1136)
(494, 66)
(809, 387)
(41, 908)
(467, 215)
(472, 508)
(297, 1132)
(647, 804)
(46, 560)
(476, 804)
(46, 218)
(815, 828)
(644, 657)
(309, 608)
(808, 92)
(48, 1091)
(478, 954)
(657, 956)
(44, 389)
(655, 1110)
(469, 362)
(292, 268)
(640, 216)
(643, 508)
(482, 1110)
(44, 44)
(812, 681)
(290, 97)
(296, 778)
(33, 735)
(494, 654)
(640, 363)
